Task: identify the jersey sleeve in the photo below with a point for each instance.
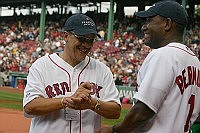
(109, 92)
(154, 79)
(34, 84)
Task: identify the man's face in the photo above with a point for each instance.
(153, 29)
(79, 46)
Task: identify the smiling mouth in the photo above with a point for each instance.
(83, 50)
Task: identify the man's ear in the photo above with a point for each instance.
(168, 24)
(65, 34)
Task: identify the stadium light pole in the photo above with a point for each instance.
(184, 2)
(42, 20)
(110, 21)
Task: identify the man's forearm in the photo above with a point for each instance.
(110, 110)
(139, 119)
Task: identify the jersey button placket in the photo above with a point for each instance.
(74, 79)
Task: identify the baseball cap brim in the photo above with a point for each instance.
(145, 14)
(86, 31)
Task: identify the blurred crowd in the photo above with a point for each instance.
(20, 45)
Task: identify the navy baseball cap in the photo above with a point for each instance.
(81, 24)
(167, 9)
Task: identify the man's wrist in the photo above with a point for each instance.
(96, 105)
(62, 103)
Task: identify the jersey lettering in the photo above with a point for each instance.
(49, 91)
(189, 76)
(64, 87)
(191, 102)
(95, 89)
(57, 89)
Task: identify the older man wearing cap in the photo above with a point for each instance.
(68, 92)
(168, 85)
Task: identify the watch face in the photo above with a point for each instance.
(98, 107)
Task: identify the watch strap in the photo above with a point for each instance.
(97, 106)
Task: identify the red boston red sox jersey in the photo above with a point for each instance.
(169, 83)
(51, 77)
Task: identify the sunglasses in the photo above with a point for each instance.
(84, 39)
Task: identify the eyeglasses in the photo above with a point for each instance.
(84, 39)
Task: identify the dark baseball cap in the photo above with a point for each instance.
(81, 24)
(167, 9)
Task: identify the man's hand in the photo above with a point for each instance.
(83, 92)
(78, 104)
(81, 99)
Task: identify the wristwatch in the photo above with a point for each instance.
(97, 106)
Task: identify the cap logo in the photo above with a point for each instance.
(87, 22)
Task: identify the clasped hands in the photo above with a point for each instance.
(81, 99)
